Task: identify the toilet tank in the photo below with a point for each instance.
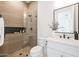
(41, 42)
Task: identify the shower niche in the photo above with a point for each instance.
(67, 20)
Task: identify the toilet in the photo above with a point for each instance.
(38, 51)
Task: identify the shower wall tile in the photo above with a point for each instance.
(33, 10)
(13, 15)
(14, 18)
(12, 43)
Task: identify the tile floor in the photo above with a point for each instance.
(25, 52)
(21, 53)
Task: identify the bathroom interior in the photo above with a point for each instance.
(39, 29)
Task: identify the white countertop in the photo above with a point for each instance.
(65, 41)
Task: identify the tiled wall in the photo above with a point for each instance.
(33, 10)
(13, 42)
(12, 12)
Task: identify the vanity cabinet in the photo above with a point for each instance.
(56, 48)
(67, 22)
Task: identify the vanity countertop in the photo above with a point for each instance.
(65, 41)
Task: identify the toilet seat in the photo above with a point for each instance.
(36, 51)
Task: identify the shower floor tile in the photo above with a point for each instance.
(21, 53)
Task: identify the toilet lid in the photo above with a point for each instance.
(36, 49)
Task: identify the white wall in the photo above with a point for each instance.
(62, 3)
(45, 17)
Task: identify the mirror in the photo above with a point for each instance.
(64, 17)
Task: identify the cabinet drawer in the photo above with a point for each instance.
(52, 53)
(69, 49)
(56, 53)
